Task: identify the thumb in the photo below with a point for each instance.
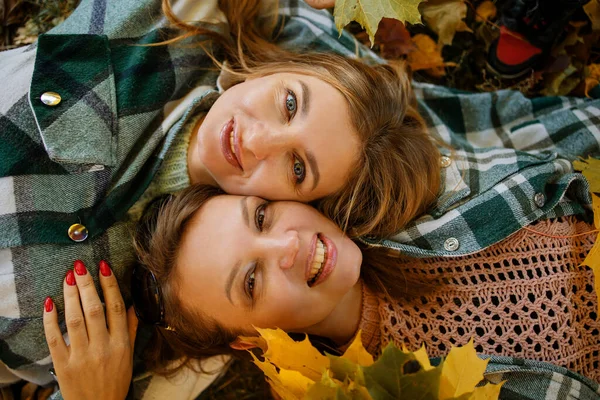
(132, 324)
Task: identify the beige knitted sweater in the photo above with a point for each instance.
(526, 297)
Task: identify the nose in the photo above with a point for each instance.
(262, 140)
(284, 247)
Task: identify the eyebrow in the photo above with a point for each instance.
(305, 98)
(245, 213)
(312, 161)
(230, 280)
(236, 267)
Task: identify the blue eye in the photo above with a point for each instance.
(299, 170)
(291, 103)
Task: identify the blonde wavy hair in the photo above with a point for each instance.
(396, 175)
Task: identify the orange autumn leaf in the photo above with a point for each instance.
(593, 77)
(427, 56)
(592, 9)
(485, 11)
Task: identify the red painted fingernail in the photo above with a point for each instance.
(80, 267)
(48, 304)
(70, 278)
(104, 268)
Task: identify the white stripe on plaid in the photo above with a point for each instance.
(9, 303)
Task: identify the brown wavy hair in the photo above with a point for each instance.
(396, 175)
(196, 337)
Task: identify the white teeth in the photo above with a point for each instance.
(318, 259)
(231, 142)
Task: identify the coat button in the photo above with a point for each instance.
(451, 244)
(51, 99)
(539, 199)
(78, 233)
(445, 161)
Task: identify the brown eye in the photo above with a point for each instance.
(259, 216)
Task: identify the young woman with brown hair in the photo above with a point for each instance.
(213, 266)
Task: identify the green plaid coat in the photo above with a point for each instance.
(88, 159)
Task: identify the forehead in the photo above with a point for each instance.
(207, 252)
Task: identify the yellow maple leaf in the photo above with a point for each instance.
(368, 13)
(445, 17)
(592, 9)
(592, 259)
(427, 56)
(422, 358)
(590, 168)
(357, 353)
(288, 354)
(485, 11)
(592, 77)
(289, 385)
(461, 371)
(487, 392)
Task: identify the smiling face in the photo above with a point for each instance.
(283, 136)
(244, 262)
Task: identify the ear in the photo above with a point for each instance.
(241, 344)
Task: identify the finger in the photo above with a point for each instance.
(115, 307)
(92, 306)
(56, 343)
(132, 324)
(73, 314)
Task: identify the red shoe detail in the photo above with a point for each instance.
(513, 48)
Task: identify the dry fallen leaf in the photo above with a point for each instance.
(445, 17)
(485, 11)
(427, 56)
(592, 260)
(590, 168)
(592, 9)
(393, 39)
(368, 13)
(461, 371)
(286, 353)
(593, 77)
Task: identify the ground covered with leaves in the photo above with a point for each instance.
(449, 48)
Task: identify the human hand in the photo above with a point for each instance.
(320, 4)
(98, 363)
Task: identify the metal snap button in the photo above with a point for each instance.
(539, 199)
(445, 161)
(78, 233)
(51, 99)
(451, 244)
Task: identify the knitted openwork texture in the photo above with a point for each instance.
(525, 297)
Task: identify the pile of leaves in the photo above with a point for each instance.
(446, 42)
(296, 370)
(22, 21)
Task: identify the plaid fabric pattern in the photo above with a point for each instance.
(89, 159)
(511, 165)
(533, 380)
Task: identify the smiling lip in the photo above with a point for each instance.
(226, 145)
(330, 258)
